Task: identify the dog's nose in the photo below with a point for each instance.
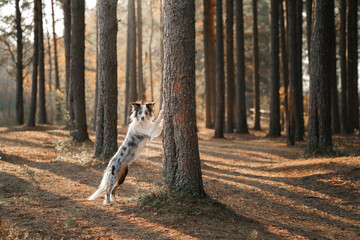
(142, 118)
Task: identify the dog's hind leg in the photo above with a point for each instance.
(111, 183)
(121, 178)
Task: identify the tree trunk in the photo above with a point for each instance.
(335, 122)
(344, 119)
(57, 82)
(220, 75)
(19, 68)
(161, 51)
(107, 124)
(131, 58)
(230, 86)
(319, 130)
(97, 69)
(241, 121)
(32, 108)
(150, 53)
(50, 63)
(352, 64)
(78, 129)
(308, 24)
(274, 126)
(181, 155)
(210, 62)
(42, 101)
(256, 67)
(141, 93)
(67, 40)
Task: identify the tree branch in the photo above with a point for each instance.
(9, 48)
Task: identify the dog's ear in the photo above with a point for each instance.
(150, 105)
(134, 106)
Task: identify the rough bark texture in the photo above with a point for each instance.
(308, 24)
(57, 81)
(161, 51)
(344, 119)
(108, 79)
(141, 93)
(78, 128)
(241, 121)
(131, 59)
(19, 68)
(67, 40)
(256, 74)
(42, 102)
(335, 121)
(97, 69)
(319, 129)
(230, 82)
(181, 154)
(352, 61)
(210, 62)
(50, 63)
(274, 126)
(150, 53)
(298, 88)
(220, 75)
(32, 109)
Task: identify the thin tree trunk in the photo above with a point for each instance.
(308, 25)
(141, 93)
(67, 40)
(181, 155)
(19, 68)
(230, 86)
(161, 52)
(319, 130)
(42, 100)
(256, 67)
(50, 63)
(150, 52)
(210, 62)
(274, 126)
(344, 119)
(78, 129)
(241, 121)
(57, 82)
(220, 84)
(97, 68)
(32, 108)
(352, 65)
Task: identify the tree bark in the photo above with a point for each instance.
(97, 70)
(352, 64)
(210, 62)
(19, 68)
(32, 108)
(241, 121)
(150, 53)
(319, 130)
(50, 63)
(67, 40)
(344, 119)
(141, 93)
(57, 81)
(78, 129)
(256, 67)
(161, 51)
(181, 155)
(308, 24)
(230, 82)
(108, 79)
(220, 75)
(42, 100)
(274, 126)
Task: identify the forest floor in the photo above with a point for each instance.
(258, 188)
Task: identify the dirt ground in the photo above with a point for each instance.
(266, 190)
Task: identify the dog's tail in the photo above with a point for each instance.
(103, 185)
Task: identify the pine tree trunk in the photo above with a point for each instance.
(181, 155)
(230, 86)
(256, 67)
(319, 130)
(344, 119)
(32, 108)
(308, 24)
(57, 81)
(161, 51)
(210, 62)
(352, 64)
(220, 75)
(108, 78)
(150, 53)
(97, 69)
(67, 40)
(274, 127)
(19, 68)
(78, 129)
(141, 93)
(50, 64)
(241, 121)
(42, 101)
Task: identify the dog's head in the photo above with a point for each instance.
(142, 111)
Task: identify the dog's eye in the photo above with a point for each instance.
(146, 113)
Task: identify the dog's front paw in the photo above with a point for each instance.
(161, 114)
(162, 122)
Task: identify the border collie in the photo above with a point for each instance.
(142, 129)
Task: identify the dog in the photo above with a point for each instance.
(142, 129)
